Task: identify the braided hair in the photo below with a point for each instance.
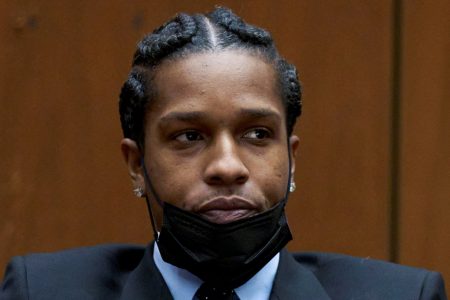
(186, 34)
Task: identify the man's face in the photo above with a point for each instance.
(215, 136)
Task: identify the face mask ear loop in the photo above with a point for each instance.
(149, 207)
(290, 174)
(152, 219)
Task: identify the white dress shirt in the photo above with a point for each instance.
(183, 284)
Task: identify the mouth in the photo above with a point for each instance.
(223, 210)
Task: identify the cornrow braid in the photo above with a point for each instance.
(167, 38)
(133, 98)
(292, 91)
(185, 34)
(247, 32)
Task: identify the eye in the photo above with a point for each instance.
(189, 136)
(257, 134)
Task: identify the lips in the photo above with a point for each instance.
(227, 209)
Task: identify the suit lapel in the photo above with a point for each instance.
(295, 282)
(145, 282)
(292, 282)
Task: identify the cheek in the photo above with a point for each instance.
(279, 175)
(271, 176)
(172, 179)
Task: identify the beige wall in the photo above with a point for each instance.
(373, 176)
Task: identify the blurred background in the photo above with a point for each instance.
(373, 174)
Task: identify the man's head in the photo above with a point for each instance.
(211, 106)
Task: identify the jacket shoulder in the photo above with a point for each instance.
(119, 257)
(46, 275)
(346, 276)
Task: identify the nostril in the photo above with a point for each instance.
(241, 179)
(215, 179)
(226, 179)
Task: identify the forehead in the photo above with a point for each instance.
(226, 75)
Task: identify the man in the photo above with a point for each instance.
(208, 113)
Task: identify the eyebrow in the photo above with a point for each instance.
(260, 113)
(185, 116)
(189, 116)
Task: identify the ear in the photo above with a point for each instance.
(294, 142)
(132, 155)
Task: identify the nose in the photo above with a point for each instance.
(224, 164)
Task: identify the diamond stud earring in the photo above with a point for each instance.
(139, 192)
(292, 187)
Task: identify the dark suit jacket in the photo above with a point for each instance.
(128, 272)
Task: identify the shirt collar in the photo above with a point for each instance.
(183, 284)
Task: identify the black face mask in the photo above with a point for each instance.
(224, 255)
